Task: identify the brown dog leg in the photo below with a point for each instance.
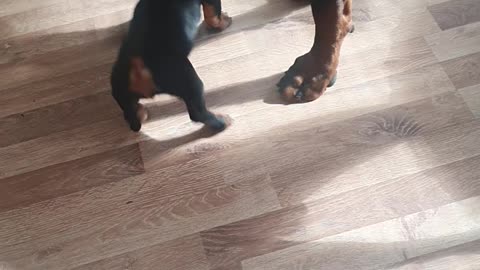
(313, 72)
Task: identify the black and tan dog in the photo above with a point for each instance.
(153, 58)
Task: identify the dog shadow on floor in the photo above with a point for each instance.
(263, 90)
(256, 18)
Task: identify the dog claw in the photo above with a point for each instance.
(299, 95)
(216, 125)
(352, 28)
(332, 81)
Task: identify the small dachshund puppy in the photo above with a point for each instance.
(153, 58)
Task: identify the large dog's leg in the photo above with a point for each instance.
(213, 15)
(313, 72)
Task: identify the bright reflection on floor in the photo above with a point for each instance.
(392, 241)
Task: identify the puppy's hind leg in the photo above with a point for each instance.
(214, 17)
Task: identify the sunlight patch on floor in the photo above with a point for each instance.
(384, 243)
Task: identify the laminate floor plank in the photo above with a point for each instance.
(229, 245)
(164, 255)
(388, 31)
(456, 42)
(19, 48)
(62, 12)
(365, 10)
(8, 7)
(122, 224)
(43, 66)
(51, 91)
(69, 177)
(336, 106)
(63, 116)
(461, 257)
(463, 71)
(471, 95)
(380, 245)
(455, 13)
(65, 146)
(372, 148)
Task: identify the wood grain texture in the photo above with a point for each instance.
(164, 256)
(365, 10)
(382, 244)
(45, 66)
(62, 12)
(434, 2)
(461, 257)
(18, 48)
(136, 221)
(387, 31)
(471, 95)
(230, 156)
(400, 136)
(455, 13)
(221, 47)
(228, 245)
(456, 42)
(379, 173)
(70, 177)
(54, 90)
(17, 6)
(401, 56)
(65, 146)
(463, 71)
(56, 118)
(356, 143)
(383, 61)
(251, 14)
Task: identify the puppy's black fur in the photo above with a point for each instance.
(161, 35)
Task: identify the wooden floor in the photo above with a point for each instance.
(382, 172)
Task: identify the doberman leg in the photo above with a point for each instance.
(312, 73)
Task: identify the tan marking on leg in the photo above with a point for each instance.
(140, 78)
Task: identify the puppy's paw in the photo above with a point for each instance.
(218, 23)
(218, 123)
(135, 125)
(142, 113)
(135, 120)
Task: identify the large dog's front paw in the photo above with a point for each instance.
(307, 78)
(311, 74)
